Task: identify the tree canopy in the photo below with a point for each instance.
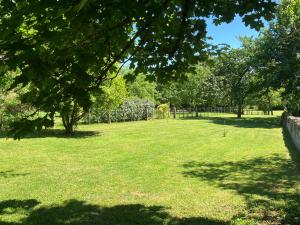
(66, 49)
(235, 66)
(278, 54)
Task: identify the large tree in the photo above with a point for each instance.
(278, 54)
(66, 49)
(235, 66)
(200, 88)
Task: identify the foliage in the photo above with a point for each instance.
(200, 88)
(163, 111)
(204, 88)
(112, 95)
(143, 89)
(137, 109)
(11, 108)
(266, 100)
(66, 49)
(235, 66)
(132, 109)
(278, 54)
(168, 92)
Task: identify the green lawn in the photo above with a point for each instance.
(161, 172)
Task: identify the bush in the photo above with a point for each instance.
(132, 109)
(137, 109)
(12, 110)
(163, 111)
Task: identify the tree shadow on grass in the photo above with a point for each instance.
(247, 122)
(268, 184)
(266, 122)
(13, 206)
(11, 174)
(74, 212)
(58, 133)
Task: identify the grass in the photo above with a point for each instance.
(161, 172)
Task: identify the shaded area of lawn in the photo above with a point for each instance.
(268, 184)
(11, 173)
(74, 212)
(57, 133)
(265, 122)
(247, 122)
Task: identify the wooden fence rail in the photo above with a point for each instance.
(210, 111)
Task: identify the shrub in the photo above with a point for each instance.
(12, 110)
(132, 109)
(137, 109)
(163, 111)
(110, 98)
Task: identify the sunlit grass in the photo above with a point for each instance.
(188, 170)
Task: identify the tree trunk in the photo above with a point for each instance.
(109, 118)
(70, 118)
(240, 111)
(174, 112)
(69, 130)
(68, 124)
(270, 108)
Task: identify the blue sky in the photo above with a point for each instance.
(229, 33)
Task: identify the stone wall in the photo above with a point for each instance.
(292, 124)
